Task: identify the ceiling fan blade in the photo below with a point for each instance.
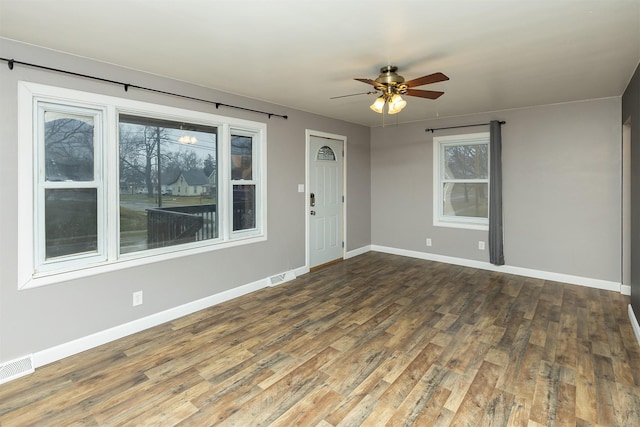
(378, 86)
(368, 81)
(425, 80)
(352, 94)
(430, 94)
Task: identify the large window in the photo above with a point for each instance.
(107, 182)
(461, 181)
(168, 183)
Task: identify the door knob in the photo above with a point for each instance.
(312, 212)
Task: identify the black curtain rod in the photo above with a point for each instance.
(12, 62)
(463, 126)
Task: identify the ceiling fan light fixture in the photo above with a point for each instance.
(396, 104)
(391, 85)
(392, 110)
(378, 105)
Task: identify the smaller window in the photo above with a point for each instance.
(325, 153)
(69, 185)
(245, 183)
(461, 181)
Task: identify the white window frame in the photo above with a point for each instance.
(32, 272)
(255, 181)
(439, 145)
(40, 185)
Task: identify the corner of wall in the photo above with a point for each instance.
(634, 323)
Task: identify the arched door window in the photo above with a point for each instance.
(325, 153)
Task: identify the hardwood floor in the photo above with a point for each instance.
(375, 340)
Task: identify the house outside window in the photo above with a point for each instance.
(108, 183)
(461, 181)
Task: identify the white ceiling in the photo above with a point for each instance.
(498, 54)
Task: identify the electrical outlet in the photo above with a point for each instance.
(428, 242)
(481, 245)
(137, 298)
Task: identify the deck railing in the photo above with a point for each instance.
(180, 224)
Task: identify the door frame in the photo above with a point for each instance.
(343, 139)
(625, 276)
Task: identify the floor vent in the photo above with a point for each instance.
(277, 279)
(281, 278)
(16, 368)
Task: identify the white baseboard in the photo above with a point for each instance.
(301, 270)
(79, 345)
(634, 323)
(519, 271)
(61, 351)
(356, 252)
(625, 289)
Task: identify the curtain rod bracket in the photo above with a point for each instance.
(126, 87)
(10, 64)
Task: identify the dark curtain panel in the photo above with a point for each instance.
(496, 250)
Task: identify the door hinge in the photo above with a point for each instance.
(342, 199)
(343, 244)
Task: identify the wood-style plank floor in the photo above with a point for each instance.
(375, 340)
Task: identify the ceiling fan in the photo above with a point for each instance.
(392, 85)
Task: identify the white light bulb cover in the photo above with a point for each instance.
(396, 104)
(378, 105)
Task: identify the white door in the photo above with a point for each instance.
(325, 201)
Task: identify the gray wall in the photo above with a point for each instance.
(561, 201)
(37, 319)
(561, 169)
(631, 110)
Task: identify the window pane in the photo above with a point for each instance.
(71, 222)
(241, 157)
(468, 200)
(325, 153)
(466, 161)
(68, 141)
(168, 183)
(244, 213)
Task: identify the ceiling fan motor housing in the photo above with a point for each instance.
(388, 75)
(390, 81)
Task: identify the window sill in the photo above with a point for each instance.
(464, 225)
(52, 277)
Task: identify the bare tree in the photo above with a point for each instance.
(184, 160)
(69, 148)
(209, 165)
(140, 154)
